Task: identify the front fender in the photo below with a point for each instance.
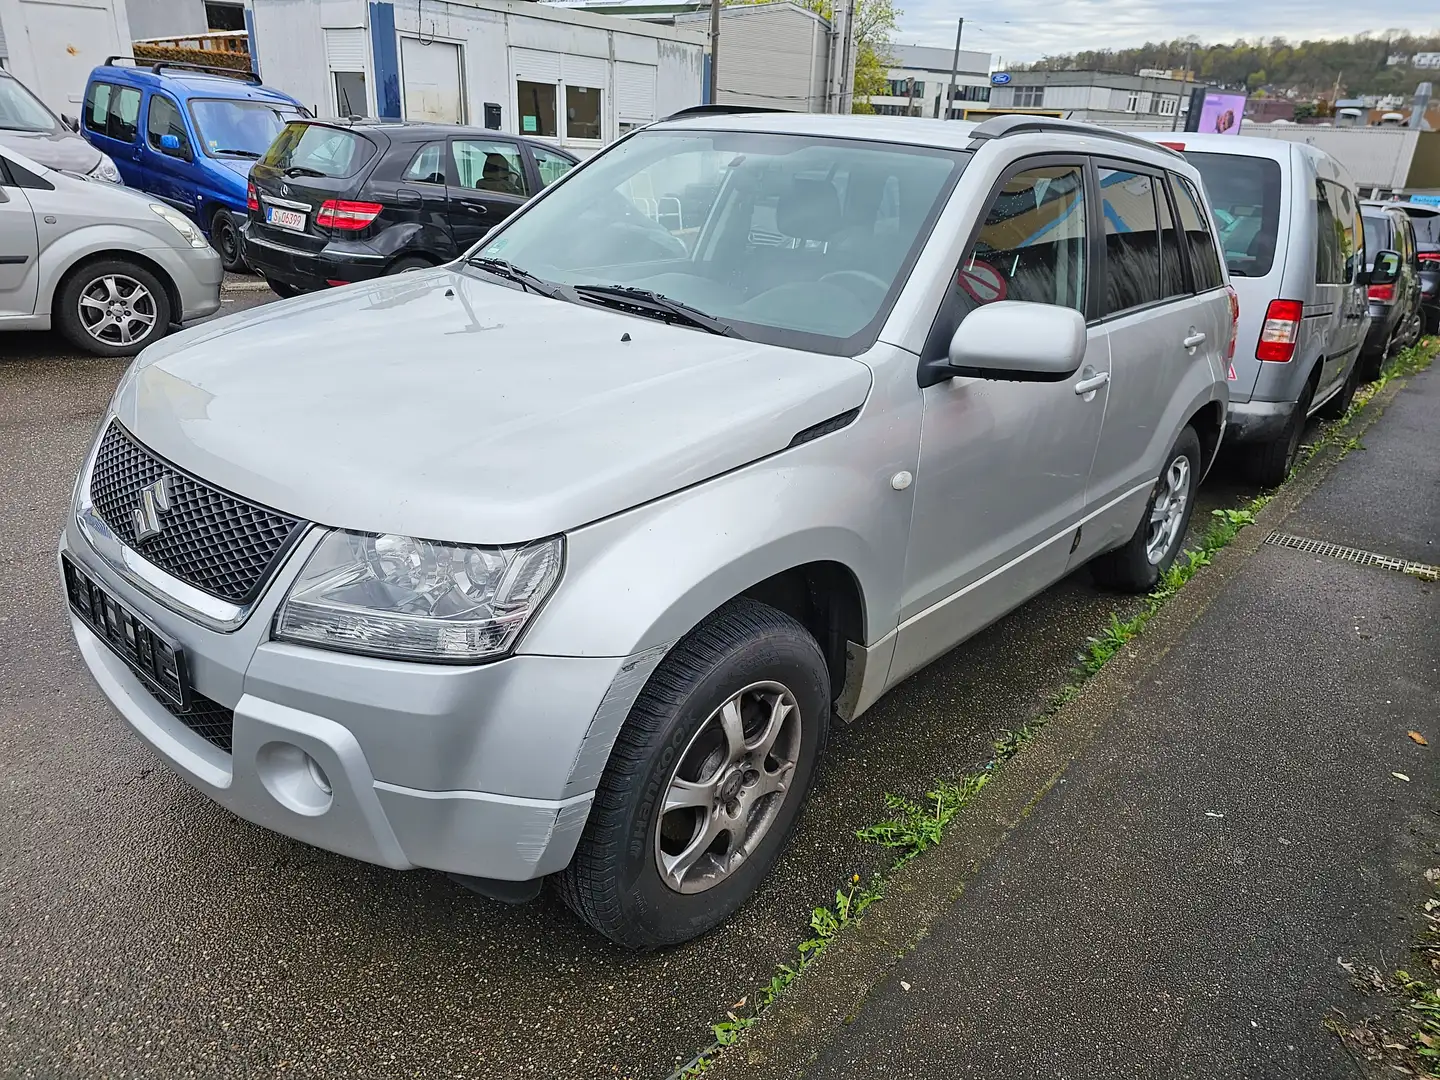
(69, 248)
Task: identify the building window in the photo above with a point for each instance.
(1029, 97)
(222, 16)
(537, 109)
(1168, 106)
(350, 96)
(582, 112)
(1132, 104)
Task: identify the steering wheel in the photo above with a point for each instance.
(848, 279)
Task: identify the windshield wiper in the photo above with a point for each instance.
(526, 280)
(239, 153)
(655, 303)
(303, 170)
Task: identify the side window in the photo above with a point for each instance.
(112, 110)
(164, 119)
(552, 166)
(1329, 262)
(1199, 237)
(1172, 264)
(1031, 246)
(428, 165)
(1132, 240)
(1342, 203)
(483, 165)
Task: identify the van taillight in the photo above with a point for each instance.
(252, 201)
(1384, 294)
(1280, 332)
(343, 214)
(1234, 322)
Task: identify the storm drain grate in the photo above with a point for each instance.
(1354, 555)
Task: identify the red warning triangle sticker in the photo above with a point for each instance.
(1232, 372)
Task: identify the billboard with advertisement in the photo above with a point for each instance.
(1215, 112)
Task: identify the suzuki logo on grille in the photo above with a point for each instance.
(154, 501)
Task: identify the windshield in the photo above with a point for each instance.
(243, 127)
(787, 239)
(21, 110)
(1245, 194)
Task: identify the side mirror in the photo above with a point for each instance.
(70, 122)
(1386, 270)
(1015, 341)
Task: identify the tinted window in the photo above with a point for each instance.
(1343, 206)
(1204, 259)
(324, 150)
(112, 110)
(1245, 195)
(1377, 237)
(1329, 250)
(485, 165)
(21, 110)
(1132, 239)
(1172, 265)
(552, 166)
(1427, 226)
(164, 119)
(428, 165)
(1032, 245)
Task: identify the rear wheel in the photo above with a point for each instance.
(1137, 566)
(225, 238)
(406, 264)
(112, 307)
(1339, 405)
(1270, 462)
(705, 782)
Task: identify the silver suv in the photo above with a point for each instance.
(561, 559)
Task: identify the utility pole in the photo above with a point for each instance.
(954, 69)
(714, 52)
(1184, 93)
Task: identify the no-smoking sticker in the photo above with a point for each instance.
(983, 282)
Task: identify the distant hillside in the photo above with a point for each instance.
(1361, 64)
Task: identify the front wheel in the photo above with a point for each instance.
(1137, 566)
(705, 782)
(225, 239)
(112, 307)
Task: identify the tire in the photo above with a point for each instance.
(1270, 462)
(1370, 364)
(1339, 404)
(280, 289)
(1137, 567)
(225, 238)
(125, 307)
(407, 263)
(747, 651)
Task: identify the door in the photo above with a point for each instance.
(1409, 271)
(1003, 465)
(1325, 330)
(111, 120)
(1167, 331)
(1352, 243)
(168, 154)
(430, 81)
(416, 193)
(487, 185)
(19, 249)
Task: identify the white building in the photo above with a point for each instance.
(1426, 60)
(775, 56)
(930, 68)
(580, 79)
(51, 45)
(1099, 97)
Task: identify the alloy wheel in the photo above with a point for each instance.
(117, 310)
(1167, 515)
(727, 789)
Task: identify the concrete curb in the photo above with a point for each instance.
(833, 989)
(245, 286)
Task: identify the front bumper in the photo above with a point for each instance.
(197, 274)
(347, 261)
(1257, 421)
(469, 770)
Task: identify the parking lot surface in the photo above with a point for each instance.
(144, 932)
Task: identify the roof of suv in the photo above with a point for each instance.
(417, 130)
(185, 83)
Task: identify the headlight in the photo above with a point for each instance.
(183, 225)
(106, 171)
(407, 599)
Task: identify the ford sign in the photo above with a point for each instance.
(1000, 78)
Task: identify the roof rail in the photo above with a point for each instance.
(156, 65)
(1000, 127)
(719, 110)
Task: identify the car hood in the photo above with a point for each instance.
(443, 406)
(55, 150)
(239, 166)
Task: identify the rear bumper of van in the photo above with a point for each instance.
(1257, 421)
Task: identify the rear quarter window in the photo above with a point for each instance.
(1245, 195)
(319, 151)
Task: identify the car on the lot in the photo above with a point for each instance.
(560, 559)
(1425, 218)
(1289, 222)
(1397, 319)
(30, 128)
(109, 268)
(186, 135)
(337, 202)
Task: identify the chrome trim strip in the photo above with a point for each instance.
(285, 204)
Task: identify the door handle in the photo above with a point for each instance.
(1194, 340)
(1093, 383)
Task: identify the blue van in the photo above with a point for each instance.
(187, 136)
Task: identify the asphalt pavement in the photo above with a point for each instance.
(1177, 902)
(144, 932)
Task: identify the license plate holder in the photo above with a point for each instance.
(293, 220)
(156, 660)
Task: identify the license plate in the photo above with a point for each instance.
(159, 663)
(285, 219)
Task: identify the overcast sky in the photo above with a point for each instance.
(1020, 30)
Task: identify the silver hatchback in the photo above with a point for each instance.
(560, 560)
